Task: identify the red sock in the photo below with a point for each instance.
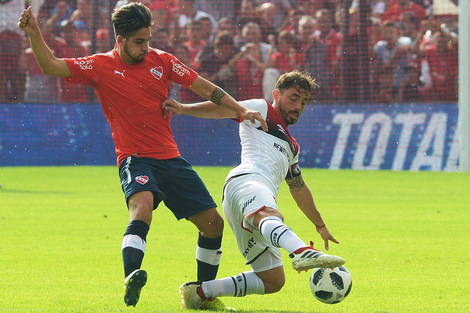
(302, 249)
(305, 248)
(200, 292)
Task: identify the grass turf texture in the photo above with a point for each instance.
(404, 235)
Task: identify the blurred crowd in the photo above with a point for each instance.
(383, 51)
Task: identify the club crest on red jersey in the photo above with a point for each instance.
(142, 179)
(157, 72)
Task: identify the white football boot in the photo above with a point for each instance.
(190, 299)
(313, 258)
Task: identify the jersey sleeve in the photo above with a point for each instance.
(294, 169)
(259, 105)
(84, 70)
(180, 73)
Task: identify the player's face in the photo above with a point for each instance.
(291, 103)
(135, 48)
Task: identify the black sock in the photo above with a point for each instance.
(208, 255)
(133, 245)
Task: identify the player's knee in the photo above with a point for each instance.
(217, 224)
(141, 203)
(140, 211)
(209, 223)
(139, 207)
(266, 212)
(274, 285)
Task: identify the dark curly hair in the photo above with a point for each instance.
(296, 79)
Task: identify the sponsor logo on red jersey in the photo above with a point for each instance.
(120, 73)
(142, 179)
(179, 69)
(85, 64)
(157, 72)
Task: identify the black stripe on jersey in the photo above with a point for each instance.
(278, 128)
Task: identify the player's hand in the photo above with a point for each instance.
(254, 116)
(326, 236)
(171, 106)
(27, 22)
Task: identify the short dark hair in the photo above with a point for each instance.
(223, 39)
(296, 79)
(130, 18)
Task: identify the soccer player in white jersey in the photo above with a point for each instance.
(250, 193)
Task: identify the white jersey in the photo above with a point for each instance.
(271, 155)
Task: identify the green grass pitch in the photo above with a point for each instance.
(405, 237)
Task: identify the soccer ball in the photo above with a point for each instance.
(331, 285)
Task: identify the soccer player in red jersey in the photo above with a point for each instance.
(132, 82)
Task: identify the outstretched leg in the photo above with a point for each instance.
(270, 224)
(195, 295)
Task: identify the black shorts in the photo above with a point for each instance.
(172, 181)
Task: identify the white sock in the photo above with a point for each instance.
(275, 231)
(246, 283)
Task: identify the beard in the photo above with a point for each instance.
(137, 59)
(290, 117)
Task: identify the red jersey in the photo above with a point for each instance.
(444, 70)
(333, 42)
(394, 12)
(249, 80)
(131, 98)
(283, 62)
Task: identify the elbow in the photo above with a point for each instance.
(55, 67)
(51, 72)
(47, 71)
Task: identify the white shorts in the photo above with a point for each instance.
(244, 196)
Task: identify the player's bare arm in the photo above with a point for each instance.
(304, 199)
(217, 95)
(49, 64)
(211, 92)
(205, 109)
(295, 184)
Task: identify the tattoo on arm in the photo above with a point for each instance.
(295, 184)
(217, 95)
